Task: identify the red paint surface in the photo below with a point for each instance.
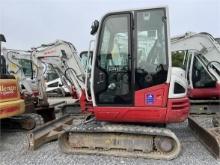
(163, 110)
(35, 93)
(50, 52)
(83, 101)
(205, 93)
(160, 93)
(8, 94)
(7, 110)
(177, 110)
(74, 93)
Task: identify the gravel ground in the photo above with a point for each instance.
(13, 150)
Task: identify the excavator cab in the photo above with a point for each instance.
(131, 77)
(194, 50)
(115, 60)
(201, 76)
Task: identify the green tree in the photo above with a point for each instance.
(177, 59)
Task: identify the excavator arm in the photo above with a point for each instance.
(13, 60)
(62, 56)
(203, 43)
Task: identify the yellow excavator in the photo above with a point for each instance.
(11, 103)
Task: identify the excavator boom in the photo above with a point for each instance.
(63, 58)
(24, 73)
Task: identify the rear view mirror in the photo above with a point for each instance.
(2, 38)
(94, 27)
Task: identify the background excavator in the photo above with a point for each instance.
(54, 85)
(200, 54)
(10, 102)
(12, 107)
(201, 60)
(32, 112)
(126, 85)
(19, 64)
(61, 56)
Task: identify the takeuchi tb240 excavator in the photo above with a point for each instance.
(131, 81)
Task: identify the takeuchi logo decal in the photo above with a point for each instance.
(50, 52)
(8, 90)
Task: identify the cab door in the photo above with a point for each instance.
(132, 55)
(112, 76)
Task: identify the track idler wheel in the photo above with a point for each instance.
(31, 121)
(28, 124)
(164, 144)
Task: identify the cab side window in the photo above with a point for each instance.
(200, 76)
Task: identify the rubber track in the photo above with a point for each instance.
(120, 128)
(37, 118)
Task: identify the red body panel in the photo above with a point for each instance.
(160, 110)
(205, 93)
(177, 110)
(160, 93)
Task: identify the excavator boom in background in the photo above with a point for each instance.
(62, 57)
(19, 64)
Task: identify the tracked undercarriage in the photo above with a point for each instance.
(27, 121)
(103, 138)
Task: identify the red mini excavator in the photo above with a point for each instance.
(132, 81)
(132, 85)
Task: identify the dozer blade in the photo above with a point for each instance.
(51, 130)
(209, 136)
(123, 140)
